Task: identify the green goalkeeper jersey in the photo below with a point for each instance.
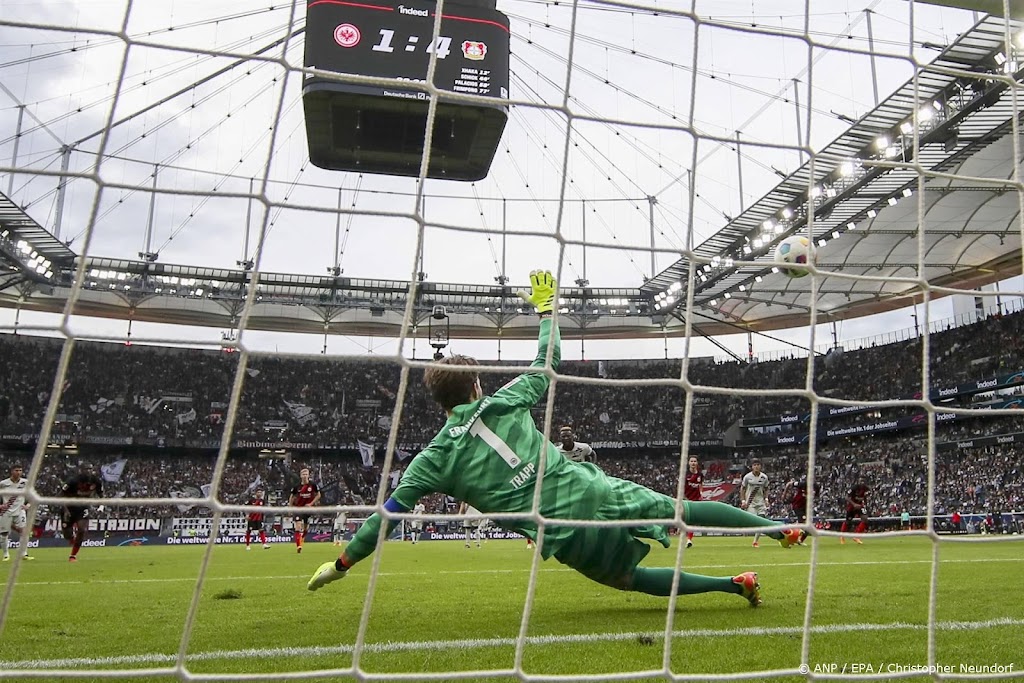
(488, 454)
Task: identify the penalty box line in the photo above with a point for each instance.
(444, 572)
(10, 667)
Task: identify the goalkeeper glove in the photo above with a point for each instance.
(542, 291)
(326, 573)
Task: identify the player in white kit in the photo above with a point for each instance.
(338, 531)
(470, 525)
(416, 525)
(753, 493)
(12, 513)
(574, 450)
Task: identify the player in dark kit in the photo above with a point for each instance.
(254, 521)
(85, 484)
(306, 494)
(796, 494)
(691, 491)
(855, 504)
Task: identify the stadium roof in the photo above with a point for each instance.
(864, 191)
(959, 109)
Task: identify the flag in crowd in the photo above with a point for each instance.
(112, 471)
(255, 484)
(300, 412)
(366, 451)
(101, 405)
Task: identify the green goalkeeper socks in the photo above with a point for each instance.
(710, 513)
(658, 581)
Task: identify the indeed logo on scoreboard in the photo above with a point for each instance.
(413, 11)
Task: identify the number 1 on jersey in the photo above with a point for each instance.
(494, 441)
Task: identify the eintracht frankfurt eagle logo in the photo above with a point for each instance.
(347, 35)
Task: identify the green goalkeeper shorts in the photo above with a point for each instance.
(609, 555)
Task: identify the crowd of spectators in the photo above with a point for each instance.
(896, 473)
(895, 468)
(158, 393)
(144, 395)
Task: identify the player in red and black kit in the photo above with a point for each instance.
(796, 493)
(855, 504)
(691, 491)
(85, 484)
(254, 521)
(306, 494)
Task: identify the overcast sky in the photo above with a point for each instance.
(630, 65)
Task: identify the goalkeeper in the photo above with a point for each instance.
(488, 454)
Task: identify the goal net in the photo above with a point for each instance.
(195, 312)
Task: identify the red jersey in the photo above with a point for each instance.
(304, 494)
(859, 495)
(799, 500)
(694, 480)
(256, 516)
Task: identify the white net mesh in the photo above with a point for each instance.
(133, 129)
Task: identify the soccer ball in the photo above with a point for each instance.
(791, 251)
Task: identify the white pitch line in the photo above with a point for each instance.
(10, 667)
(686, 567)
(179, 579)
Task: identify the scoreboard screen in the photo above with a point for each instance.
(395, 40)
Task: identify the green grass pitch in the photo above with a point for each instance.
(440, 607)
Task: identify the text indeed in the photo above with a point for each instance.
(413, 11)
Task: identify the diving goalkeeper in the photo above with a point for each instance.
(487, 454)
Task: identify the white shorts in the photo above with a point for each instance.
(416, 526)
(12, 520)
(758, 509)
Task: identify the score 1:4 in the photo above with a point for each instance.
(441, 45)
